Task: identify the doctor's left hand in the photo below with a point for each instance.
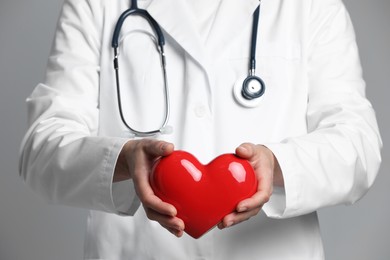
(268, 174)
(135, 162)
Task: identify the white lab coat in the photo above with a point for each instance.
(314, 116)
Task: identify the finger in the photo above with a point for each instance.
(245, 151)
(254, 202)
(147, 196)
(236, 217)
(178, 233)
(262, 196)
(168, 222)
(150, 200)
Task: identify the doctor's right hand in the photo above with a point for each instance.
(135, 162)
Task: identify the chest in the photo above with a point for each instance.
(202, 72)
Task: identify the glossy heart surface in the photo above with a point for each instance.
(202, 194)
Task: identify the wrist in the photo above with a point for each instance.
(121, 171)
(278, 176)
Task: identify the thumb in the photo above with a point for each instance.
(245, 151)
(158, 148)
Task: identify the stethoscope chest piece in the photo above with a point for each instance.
(253, 87)
(248, 91)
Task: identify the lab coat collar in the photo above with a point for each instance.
(231, 18)
(175, 18)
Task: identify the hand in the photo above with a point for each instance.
(136, 161)
(268, 173)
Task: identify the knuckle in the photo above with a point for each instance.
(245, 217)
(142, 198)
(135, 146)
(146, 200)
(266, 198)
(149, 213)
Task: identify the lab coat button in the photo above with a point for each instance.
(200, 111)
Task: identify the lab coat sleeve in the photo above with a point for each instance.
(338, 159)
(62, 157)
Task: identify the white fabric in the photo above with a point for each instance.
(204, 14)
(314, 116)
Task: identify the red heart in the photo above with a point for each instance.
(202, 194)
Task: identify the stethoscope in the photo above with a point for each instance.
(247, 92)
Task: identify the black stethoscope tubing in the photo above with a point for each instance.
(134, 10)
(249, 91)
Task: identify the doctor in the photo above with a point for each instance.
(311, 137)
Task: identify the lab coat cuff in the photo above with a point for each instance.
(284, 200)
(124, 199)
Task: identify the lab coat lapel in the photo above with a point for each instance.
(175, 19)
(231, 17)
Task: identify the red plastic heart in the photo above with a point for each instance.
(202, 194)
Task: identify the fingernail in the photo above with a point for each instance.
(174, 232)
(178, 228)
(244, 148)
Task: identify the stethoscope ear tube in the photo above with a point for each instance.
(147, 16)
(164, 128)
(247, 91)
(253, 87)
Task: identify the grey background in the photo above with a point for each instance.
(31, 229)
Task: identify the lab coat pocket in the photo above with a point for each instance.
(281, 67)
(273, 59)
(278, 64)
